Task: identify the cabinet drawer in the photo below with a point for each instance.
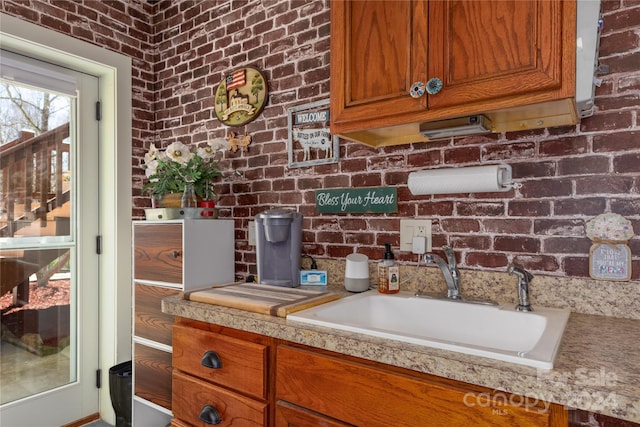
(158, 252)
(243, 365)
(149, 320)
(288, 415)
(364, 395)
(152, 371)
(191, 396)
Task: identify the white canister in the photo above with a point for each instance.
(356, 273)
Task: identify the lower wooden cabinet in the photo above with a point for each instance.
(153, 375)
(260, 381)
(221, 376)
(369, 394)
(199, 403)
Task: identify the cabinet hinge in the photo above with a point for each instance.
(98, 245)
(98, 378)
(98, 111)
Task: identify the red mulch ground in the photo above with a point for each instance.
(57, 292)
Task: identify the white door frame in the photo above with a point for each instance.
(114, 71)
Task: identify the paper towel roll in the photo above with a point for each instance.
(475, 179)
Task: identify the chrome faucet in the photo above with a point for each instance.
(524, 277)
(449, 271)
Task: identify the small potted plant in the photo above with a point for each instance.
(182, 173)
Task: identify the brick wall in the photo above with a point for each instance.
(569, 174)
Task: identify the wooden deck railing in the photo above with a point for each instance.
(31, 174)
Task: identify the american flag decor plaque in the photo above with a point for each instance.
(240, 96)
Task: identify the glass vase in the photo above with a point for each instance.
(189, 196)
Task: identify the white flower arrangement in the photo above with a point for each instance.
(167, 171)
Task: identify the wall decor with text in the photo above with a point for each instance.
(357, 200)
(310, 142)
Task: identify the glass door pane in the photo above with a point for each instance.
(37, 259)
(49, 268)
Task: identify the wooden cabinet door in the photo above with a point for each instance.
(373, 59)
(484, 50)
(158, 252)
(369, 396)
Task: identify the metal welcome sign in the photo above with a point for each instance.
(310, 141)
(357, 200)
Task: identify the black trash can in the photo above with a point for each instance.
(120, 391)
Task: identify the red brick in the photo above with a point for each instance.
(627, 163)
(576, 266)
(525, 150)
(529, 208)
(588, 206)
(567, 245)
(474, 242)
(517, 244)
(462, 155)
(564, 146)
(536, 263)
(479, 209)
(558, 227)
(507, 226)
(622, 120)
(586, 165)
(486, 260)
(435, 208)
(459, 225)
(535, 189)
(611, 184)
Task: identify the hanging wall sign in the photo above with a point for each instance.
(357, 200)
(240, 96)
(310, 142)
(610, 262)
(610, 256)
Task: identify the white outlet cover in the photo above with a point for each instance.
(409, 228)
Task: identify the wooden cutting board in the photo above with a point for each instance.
(265, 299)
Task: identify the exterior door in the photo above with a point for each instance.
(48, 229)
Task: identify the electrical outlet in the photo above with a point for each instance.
(414, 227)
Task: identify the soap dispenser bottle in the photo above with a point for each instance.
(388, 273)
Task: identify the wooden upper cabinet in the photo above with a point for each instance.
(492, 57)
(489, 50)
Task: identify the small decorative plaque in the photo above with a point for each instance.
(610, 261)
(357, 200)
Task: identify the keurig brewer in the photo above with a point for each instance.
(279, 247)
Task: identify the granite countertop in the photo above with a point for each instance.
(597, 368)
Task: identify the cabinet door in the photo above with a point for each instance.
(152, 375)
(158, 252)
(149, 321)
(373, 60)
(495, 49)
(369, 396)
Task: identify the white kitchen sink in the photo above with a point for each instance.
(497, 332)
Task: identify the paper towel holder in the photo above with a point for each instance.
(473, 179)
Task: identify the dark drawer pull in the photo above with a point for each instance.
(210, 415)
(176, 254)
(211, 360)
